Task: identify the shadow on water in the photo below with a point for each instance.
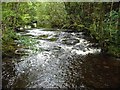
(67, 61)
(94, 71)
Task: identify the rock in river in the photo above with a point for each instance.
(72, 41)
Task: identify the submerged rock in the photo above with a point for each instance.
(72, 41)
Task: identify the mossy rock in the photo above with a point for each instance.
(70, 41)
(52, 39)
(42, 37)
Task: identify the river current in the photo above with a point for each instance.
(60, 59)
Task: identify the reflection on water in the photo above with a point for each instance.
(95, 71)
(67, 60)
(105, 71)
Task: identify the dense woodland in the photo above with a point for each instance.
(100, 20)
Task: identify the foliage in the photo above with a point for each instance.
(100, 19)
(29, 43)
(15, 14)
(8, 45)
(51, 14)
(112, 33)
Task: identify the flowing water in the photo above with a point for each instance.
(60, 59)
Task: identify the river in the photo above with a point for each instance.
(60, 59)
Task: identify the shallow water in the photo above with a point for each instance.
(62, 60)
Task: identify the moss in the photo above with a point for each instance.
(42, 37)
(52, 39)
